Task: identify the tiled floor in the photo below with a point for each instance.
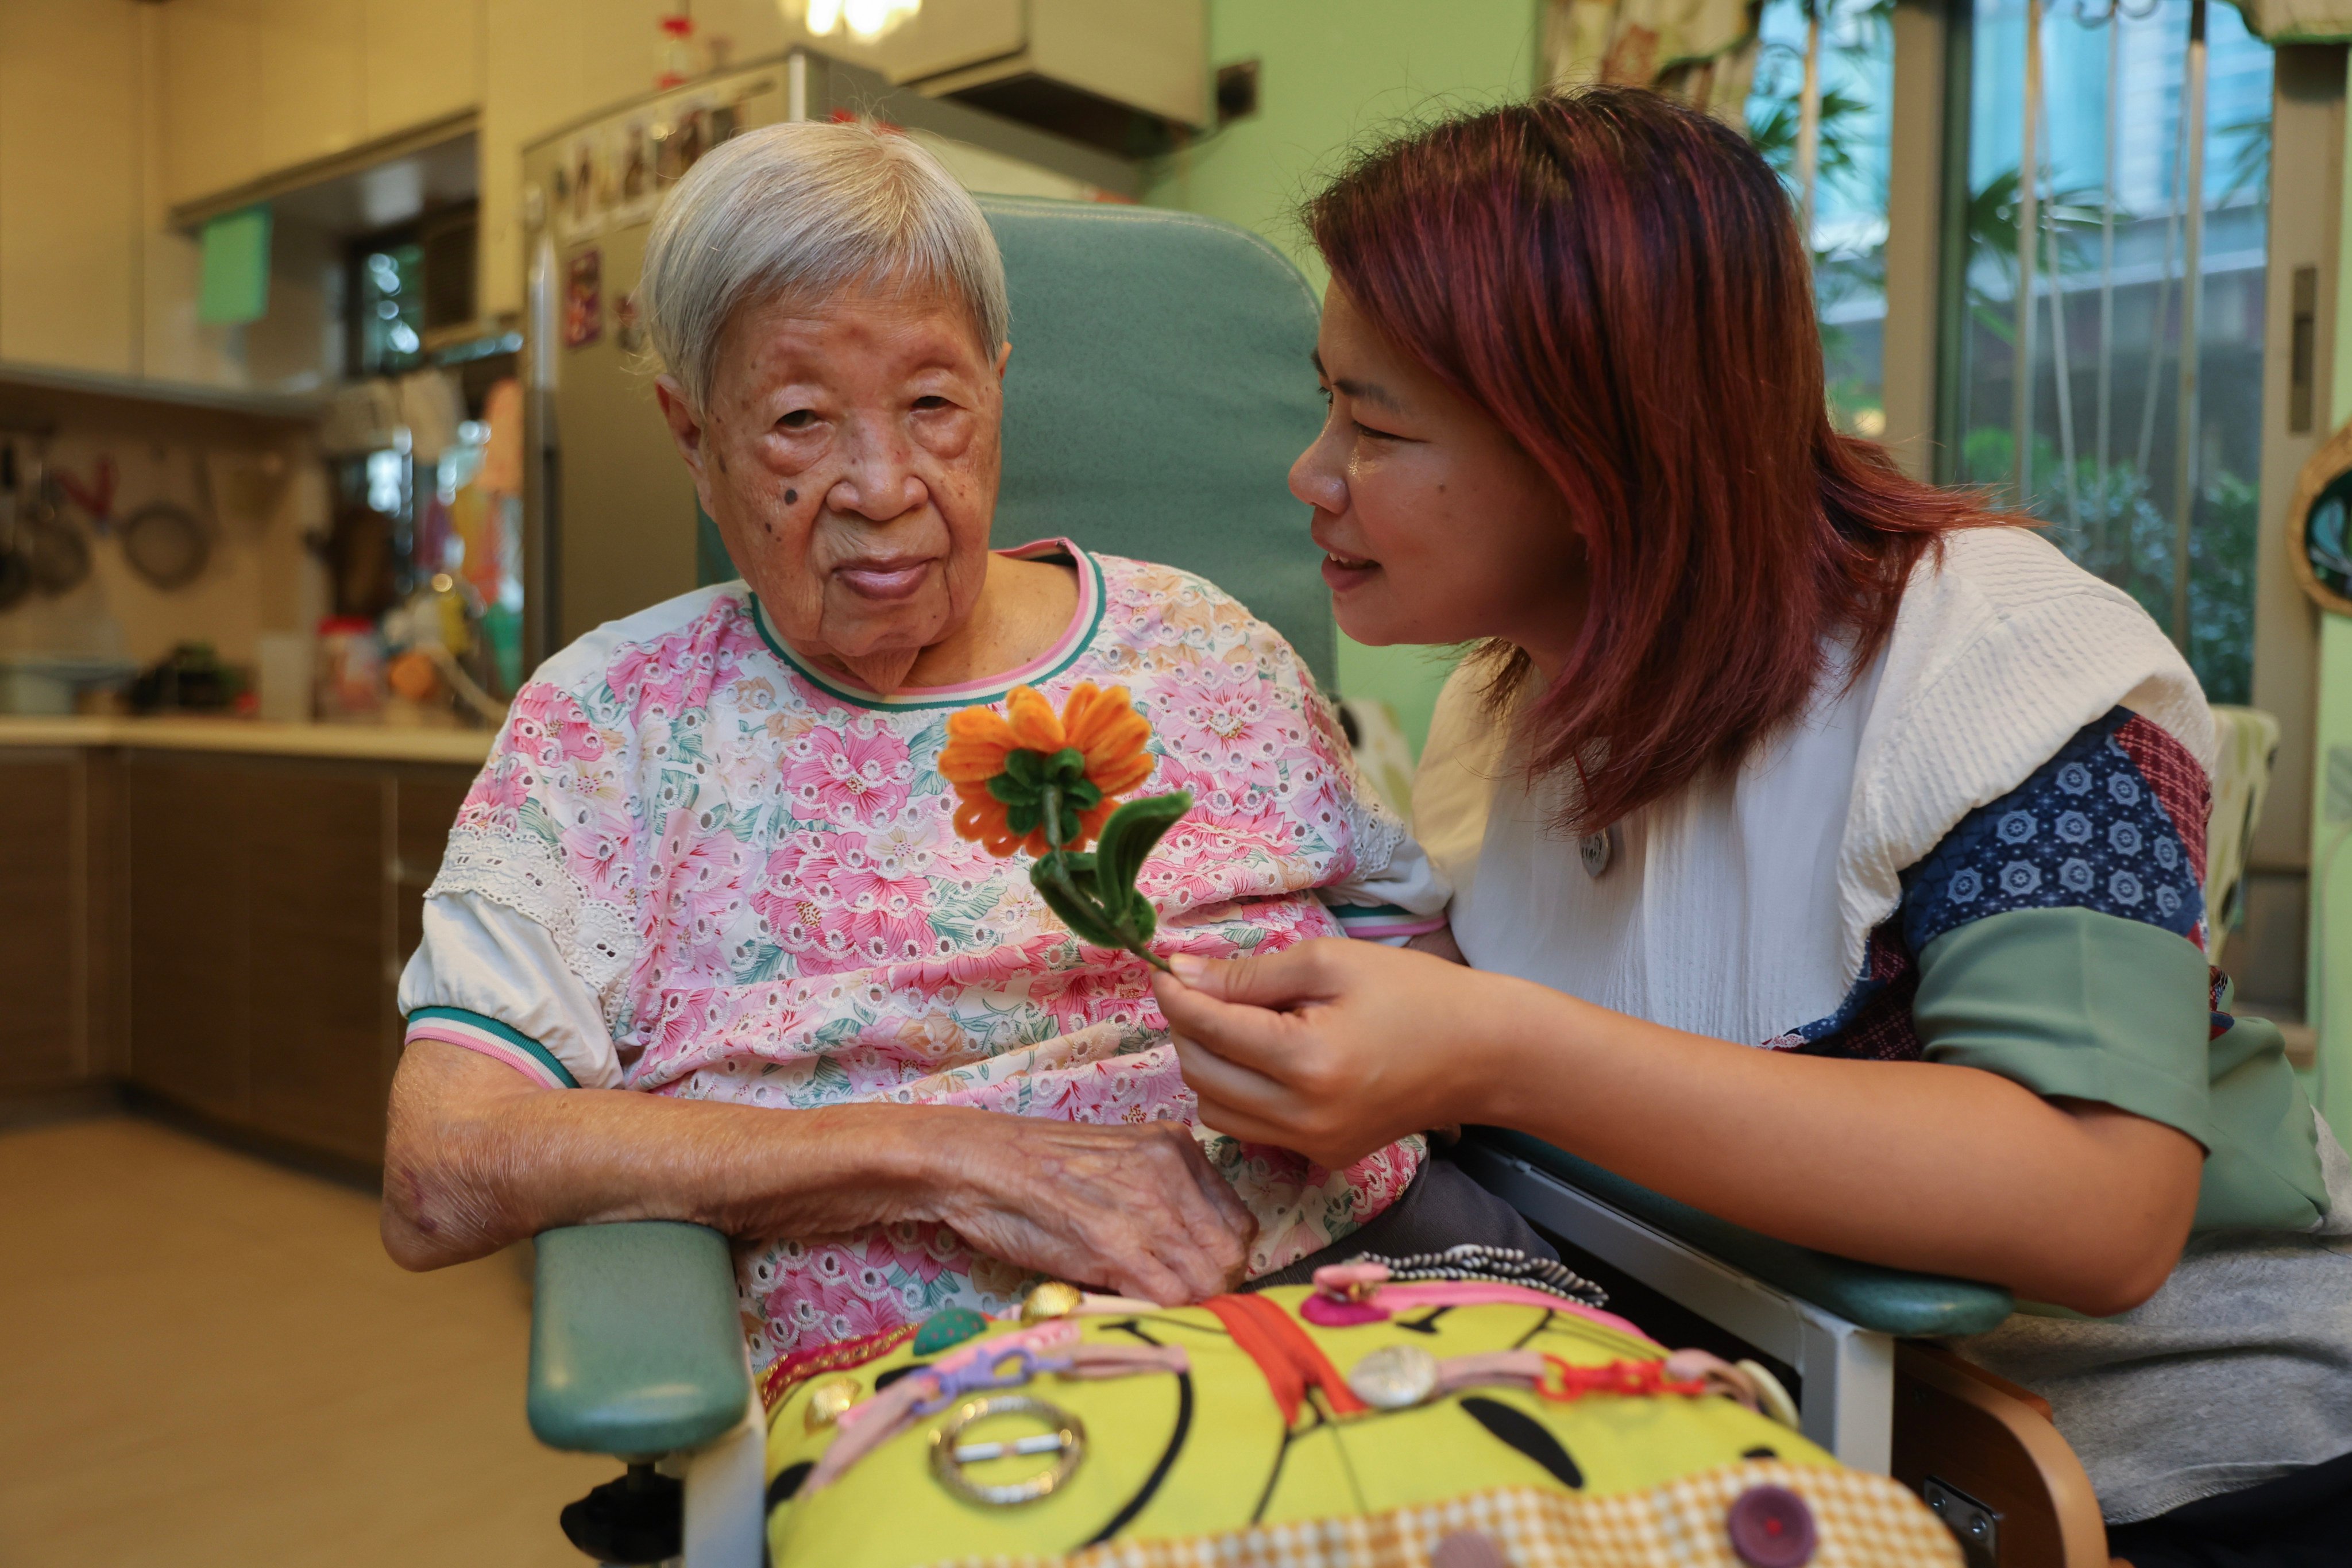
(206, 1359)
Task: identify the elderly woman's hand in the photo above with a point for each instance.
(1136, 1209)
(479, 1156)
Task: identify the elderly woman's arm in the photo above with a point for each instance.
(478, 1156)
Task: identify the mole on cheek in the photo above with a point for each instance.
(792, 496)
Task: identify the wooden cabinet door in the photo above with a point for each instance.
(69, 184)
(210, 137)
(40, 958)
(313, 80)
(189, 889)
(315, 961)
(429, 799)
(423, 62)
(256, 86)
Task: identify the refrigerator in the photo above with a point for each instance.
(610, 524)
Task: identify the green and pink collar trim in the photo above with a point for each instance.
(1084, 623)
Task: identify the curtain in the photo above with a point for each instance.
(1702, 52)
(2298, 21)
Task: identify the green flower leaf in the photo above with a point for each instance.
(1129, 838)
(1012, 791)
(1024, 767)
(1141, 917)
(1066, 766)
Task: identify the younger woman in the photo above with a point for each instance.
(1828, 851)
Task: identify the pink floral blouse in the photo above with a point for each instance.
(695, 865)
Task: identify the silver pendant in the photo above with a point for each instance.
(1598, 851)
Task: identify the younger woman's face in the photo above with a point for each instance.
(1435, 526)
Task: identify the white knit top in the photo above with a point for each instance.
(1741, 908)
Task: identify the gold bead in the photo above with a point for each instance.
(1051, 1300)
(829, 1399)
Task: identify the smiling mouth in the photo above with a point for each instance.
(884, 579)
(1341, 572)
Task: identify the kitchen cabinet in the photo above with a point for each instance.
(43, 955)
(210, 129)
(423, 62)
(225, 931)
(69, 152)
(313, 80)
(253, 88)
(189, 897)
(318, 1011)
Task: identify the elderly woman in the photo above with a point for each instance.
(706, 945)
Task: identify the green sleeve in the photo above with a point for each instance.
(2078, 1004)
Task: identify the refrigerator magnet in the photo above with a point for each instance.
(583, 299)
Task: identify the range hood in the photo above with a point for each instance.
(1128, 75)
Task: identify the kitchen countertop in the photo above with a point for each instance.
(366, 743)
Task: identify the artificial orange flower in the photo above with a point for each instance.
(1102, 726)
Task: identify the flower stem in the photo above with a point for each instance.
(1057, 866)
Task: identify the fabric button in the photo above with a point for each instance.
(1771, 1527)
(1468, 1549)
(1394, 1377)
(1050, 1298)
(1325, 1313)
(829, 1399)
(943, 1330)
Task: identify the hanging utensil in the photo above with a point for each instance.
(15, 571)
(166, 544)
(53, 549)
(96, 499)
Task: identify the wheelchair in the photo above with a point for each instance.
(1186, 467)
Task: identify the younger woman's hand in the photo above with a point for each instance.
(1334, 1048)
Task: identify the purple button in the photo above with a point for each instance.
(1468, 1549)
(1771, 1528)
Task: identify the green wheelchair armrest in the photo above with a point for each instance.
(634, 1346)
(1885, 1300)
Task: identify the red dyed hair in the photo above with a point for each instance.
(1618, 281)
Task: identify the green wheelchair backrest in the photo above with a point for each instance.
(1158, 391)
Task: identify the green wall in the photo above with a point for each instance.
(1331, 72)
(2329, 998)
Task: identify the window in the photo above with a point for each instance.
(2147, 214)
(387, 295)
(1855, 56)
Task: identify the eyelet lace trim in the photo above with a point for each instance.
(594, 938)
(1374, 829)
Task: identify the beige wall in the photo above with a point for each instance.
(259, 578)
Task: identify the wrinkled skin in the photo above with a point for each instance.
(478, 1156)
(849, 453)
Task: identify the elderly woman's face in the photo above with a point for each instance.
(850, 457)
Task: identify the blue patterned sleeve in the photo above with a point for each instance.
(2098, 826)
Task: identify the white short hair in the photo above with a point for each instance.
(802, 211)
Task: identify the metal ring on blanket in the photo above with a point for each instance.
(1067, 1438)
